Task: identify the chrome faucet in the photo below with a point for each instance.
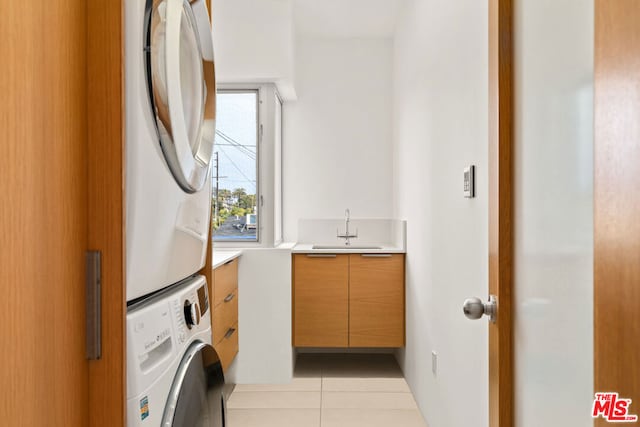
(347, 235)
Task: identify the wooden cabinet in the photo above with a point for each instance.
(321, 300)
(376, 300)
(354, 300)
(224, 315)
(225, 279)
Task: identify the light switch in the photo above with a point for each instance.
(469, 182)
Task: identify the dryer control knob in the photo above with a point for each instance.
(191, 314)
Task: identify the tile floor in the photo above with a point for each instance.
(330, 390)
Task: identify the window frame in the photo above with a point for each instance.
(278, 238)
(266, 167)
(224, 89)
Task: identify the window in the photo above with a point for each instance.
(247, 166)
(235, 167)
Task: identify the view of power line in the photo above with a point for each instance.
(235, 167)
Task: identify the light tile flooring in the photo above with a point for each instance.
(330, 390)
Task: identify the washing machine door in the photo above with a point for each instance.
(181, 81)
(196, 398)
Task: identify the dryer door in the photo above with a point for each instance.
(196, 398)
(181, 82)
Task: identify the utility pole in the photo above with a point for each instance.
(216, 204)
(217, 184)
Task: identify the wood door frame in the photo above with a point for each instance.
(106, 202)
(616, 202)
(501, 115)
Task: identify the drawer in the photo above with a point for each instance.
(228, 347)
(225, 315)
(225, 281)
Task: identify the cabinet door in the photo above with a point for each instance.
(321, 300)
(376, 310)
(225, 279)
(225, 312)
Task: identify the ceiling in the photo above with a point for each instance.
(346, 18)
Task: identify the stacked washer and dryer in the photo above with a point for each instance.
(174, 376)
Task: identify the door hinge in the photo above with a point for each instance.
(93, 263)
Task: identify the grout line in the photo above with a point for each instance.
(368, 391)
(321, 391)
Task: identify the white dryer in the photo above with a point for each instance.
(170, 128)
(174, 376)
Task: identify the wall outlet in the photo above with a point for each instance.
(434, 362)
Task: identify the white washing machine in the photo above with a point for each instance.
(174, 376)
(170, 128)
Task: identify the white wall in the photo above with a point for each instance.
(254, 42)
(553, 206)
(265, 355)
(440, 126)
(337, 135)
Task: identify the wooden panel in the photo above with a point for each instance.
(225, 316)
(43, 231)
(207, 272)
(106, 205)
(501, 210)
(321, 301)
(376, 301)
(225, 281)
(228, 347)
(617, 200)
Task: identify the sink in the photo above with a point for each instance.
(353, 247)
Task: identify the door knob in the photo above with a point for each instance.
(474, 308)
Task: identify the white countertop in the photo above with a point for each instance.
(221, 257)
(307, 248)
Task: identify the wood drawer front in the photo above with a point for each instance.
(225, 315)
(225, 281)
(321, 301)
(376, 308)
(228, 347)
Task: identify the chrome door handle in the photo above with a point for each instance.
(474, 308)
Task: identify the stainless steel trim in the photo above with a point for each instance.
(321, 255)
(229, 333)
(229, 297)
(376, 255)
(190, 176)
(93, 284)
(178, 381)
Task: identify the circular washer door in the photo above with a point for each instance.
(181, 81)
(196, 398)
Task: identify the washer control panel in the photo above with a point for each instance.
(159, 328)
(189, 311)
